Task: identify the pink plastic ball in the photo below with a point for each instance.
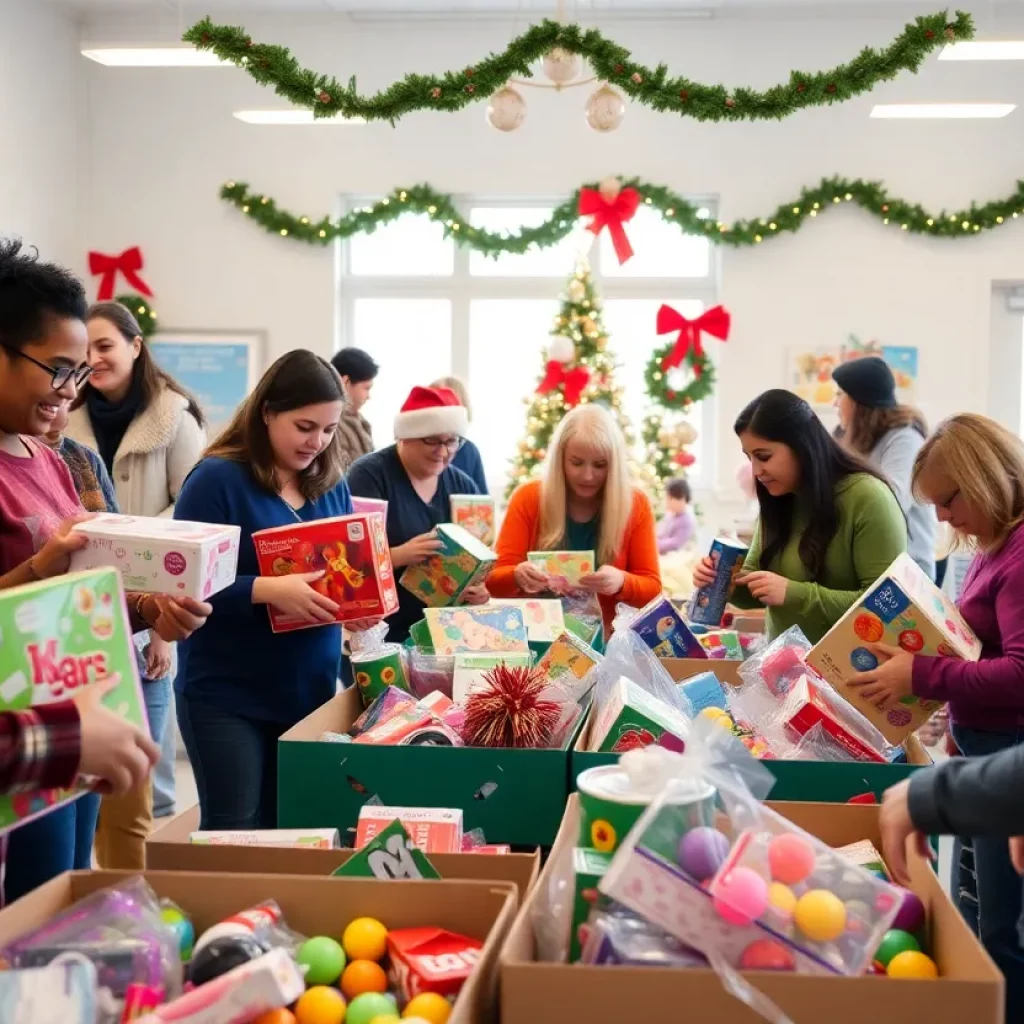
(790, 858)
(741, 896)
(767, 955)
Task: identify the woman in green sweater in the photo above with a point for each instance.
(829, 524)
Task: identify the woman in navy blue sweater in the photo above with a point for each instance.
(241, 685)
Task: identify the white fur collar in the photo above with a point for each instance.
(156, 426)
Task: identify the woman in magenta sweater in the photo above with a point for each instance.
(972, 471)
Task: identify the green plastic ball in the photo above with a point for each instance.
(323, 958)
(364, 1008)
(895, 942)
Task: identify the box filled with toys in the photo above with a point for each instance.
(223, 948)
(498, 747)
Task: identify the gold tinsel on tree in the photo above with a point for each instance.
(579, 367)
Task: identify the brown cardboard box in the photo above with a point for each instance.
(312, 906)
(970, 987)
(168, 849)
(748, 623)
(684, 668)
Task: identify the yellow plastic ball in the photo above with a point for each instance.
(820, 915)
(320, 1005)
(782, 899)
(365, 939)
(718, 716)
(430, 1006)
(386, 1018)
(912, 964)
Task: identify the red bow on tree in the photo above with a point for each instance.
(714, 321)
(129, 263)
(610, 209)
(575, 380)
(684, 459)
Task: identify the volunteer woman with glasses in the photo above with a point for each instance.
(416, 478)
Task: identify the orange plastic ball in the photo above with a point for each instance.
(279, 1016)
(430, 1007)
(365, 939)
(320, 1005)
(912, 964)
(363, 976)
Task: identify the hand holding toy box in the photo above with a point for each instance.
(477, 630)
(565, 569)
(442, 579)
(161, 556)
(56, 637)
(351, 551)
(707, 606)
(475, 513)
(903, 609)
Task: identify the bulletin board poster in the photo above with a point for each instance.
(219, 369)
(809, 369)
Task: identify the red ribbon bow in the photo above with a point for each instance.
(611, 212)
(575, 380)
(129, 263)
(714, 321)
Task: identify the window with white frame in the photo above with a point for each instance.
(424, 308)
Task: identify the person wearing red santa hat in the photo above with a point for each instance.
(416, 478)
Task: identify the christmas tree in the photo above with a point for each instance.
(578, 368)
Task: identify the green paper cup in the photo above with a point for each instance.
(376, 670)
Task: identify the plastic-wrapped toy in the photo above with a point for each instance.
(64, 992)
(615, 935)
(265, 922)
(780, 664)
(429, 672)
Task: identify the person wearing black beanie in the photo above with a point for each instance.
(890, 435)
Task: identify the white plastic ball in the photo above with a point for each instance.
(506, 110)
(605, 110)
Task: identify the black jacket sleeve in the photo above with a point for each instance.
(977, 796)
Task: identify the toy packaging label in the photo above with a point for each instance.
(377, 669)
(430, 829)
(808, 709)
(470, 670)
(390, 856)
(62, 992)
(903, 609)
(707, 606)
(307, 838)
(477, 514)
(352, 552)
(662, 628)
(477, 629)
(704, 691)
(492, 849)
(566, 663)
(161, 556)
(564, 567)
(633, 718)
(56, 637)
(461, 563)
(431, 960)
(724, 644)
(544, 618)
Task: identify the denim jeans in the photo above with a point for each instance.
(987, 890)
(234, 759)
(163, 773)
(58, 842)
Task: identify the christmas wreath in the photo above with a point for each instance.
(661, 390)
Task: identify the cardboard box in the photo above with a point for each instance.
(567, 662)
(462, 562)
(970, 988)
(168, 849)
(57, 636)
(302, 838)
(544, 618)
(312, 906)
(431, 829)
(352, 552)
(514, 796)
(633, 718)
(162, 556)
(477, 629)
(903, 608)
(663, 629)
(477, 514)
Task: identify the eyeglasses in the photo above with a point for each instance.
(451, 445)
(59, 375)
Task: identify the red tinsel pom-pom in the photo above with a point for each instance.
(510, 712)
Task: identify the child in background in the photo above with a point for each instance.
(678, 527)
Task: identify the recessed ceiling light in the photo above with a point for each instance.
(990, 49)
(291, 116)
(941, 110)
(154, 57)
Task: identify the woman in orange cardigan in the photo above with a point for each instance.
(585, 501)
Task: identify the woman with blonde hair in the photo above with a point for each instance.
(972, 471)
(889, 435)
(584, 501)
(467, 458)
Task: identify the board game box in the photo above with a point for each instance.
(442, 579)
(477, 629)
(662, 628)
(544, 618)
(477, 514)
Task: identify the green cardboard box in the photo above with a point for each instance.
(631, 718)
(419, 634)
(462, 562)
(589, 867)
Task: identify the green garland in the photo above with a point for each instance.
(674, 208)
(327, 97)
(699, 388)
(142, 311)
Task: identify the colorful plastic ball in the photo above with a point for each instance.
(323, 958)
(910, 917)
(702, 851)
(364, 1008)
(282, 1015)
(430, 1006)
(912, 964)
(387, 1018)
(895, 942)
(782, 900)
(820, 915)
(790, 858)
(741, 896)
(767, 955)
(365, 939)
(182, 928)
(320, 1005)
(363, 976)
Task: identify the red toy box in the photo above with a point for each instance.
(351, 551)
(431, 960)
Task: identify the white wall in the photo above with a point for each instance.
(41, 76)
(163, 141)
